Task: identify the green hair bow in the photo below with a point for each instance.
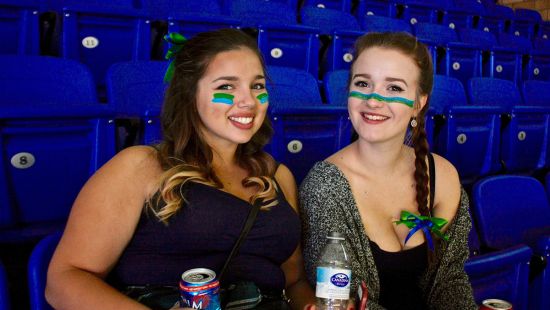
(176, 42)
(427, 224)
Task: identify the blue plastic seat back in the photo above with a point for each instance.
(447, 91)
(484, 39)
(19, 28)
(328, 20)
(547, 182)
(501, 274)
(4, 292)
(53, 135)
(292, 87)
(136, 89)
(510, 210)
(535, 94)
(164, 8)
(462, 13)
(252, 12)
(58, 5)
(524, 138)
(375, 7)
(526, 22)
(493, 92)
(38, 270)
(102, 36)
(305, 130)
(435, 33)
(376, 23)
(291, 46)
(522, 44)
(538, 67)
(336, 87)
(416, 11)
(499, 18)
(341, 5)
(190, 17)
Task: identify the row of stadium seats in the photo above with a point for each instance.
(54, 134)
(100, 36)
(509, 245)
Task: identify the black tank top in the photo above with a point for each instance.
(399, 273)
(201, 235)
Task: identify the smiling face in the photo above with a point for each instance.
(383, 83)
(230, 100)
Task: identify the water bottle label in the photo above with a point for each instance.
(333, 283)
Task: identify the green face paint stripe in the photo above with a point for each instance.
(223, 95)
(263, 98)
(405, 101)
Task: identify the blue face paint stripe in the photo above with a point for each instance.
(405, 101)
(223, 98)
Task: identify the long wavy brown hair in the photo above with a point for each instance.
(183, 153)
(419, 53)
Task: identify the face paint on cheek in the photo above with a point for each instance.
(381, 98)
(263, 97)
(223, 98)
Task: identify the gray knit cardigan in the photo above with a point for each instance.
(327, 204)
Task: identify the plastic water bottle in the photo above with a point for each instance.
(333, 275)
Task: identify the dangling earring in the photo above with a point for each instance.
(414, 123)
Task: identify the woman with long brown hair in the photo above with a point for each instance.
(401, 208)
(152, 213)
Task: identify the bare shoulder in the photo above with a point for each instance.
(286, 181)
(447, 188)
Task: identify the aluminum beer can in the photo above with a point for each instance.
(199, 289)
(495, 304)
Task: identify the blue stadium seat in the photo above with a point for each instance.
(282, 41)
(341, 5)
(526, 22)
(306, 131)
(375, 7)
(19, 28)
(547, 182)
(506, 60)
(376, 23)
(4, 292)
(545, 30)
(463, 14)
(335, 84)
(534, 96)
(100, 34)
(189, 17)
(502, 275)
(499, 274)
(136, 90)
(53, 136)
(342, 30)
(523, 137)
(470, 135)
(460, 60)
(38, 270)
(419, 11)
(538, 65)
(497, 19)
(512, 210)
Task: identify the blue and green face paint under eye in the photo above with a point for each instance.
(263, 97)
(378, 97)
(223, 98)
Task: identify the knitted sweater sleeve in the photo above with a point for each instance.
(451, 287)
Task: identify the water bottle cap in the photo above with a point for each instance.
(336, 236)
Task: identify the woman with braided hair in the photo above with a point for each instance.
(154, 212)
(401, 208)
